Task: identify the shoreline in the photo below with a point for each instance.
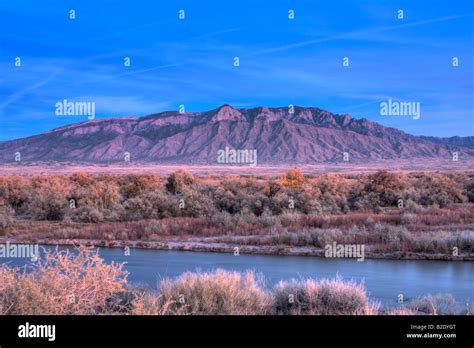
(199, 246)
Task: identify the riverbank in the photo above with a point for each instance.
(201, 245)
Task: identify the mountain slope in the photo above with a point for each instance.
(454, 141)
(308, 135)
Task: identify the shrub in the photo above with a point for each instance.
(62, 283)
(293, 179)
(82, 179)
(439, 189)
(7, 277)
(295, 297)
(49, 197)
(14, 190)
(219, 292)
(412, 207)
(390, 234)
(289, 218)
(444, 243)
(197, 204)
(6, 217)
(102, 194)
(86, 214)
(339, 298)
(133, 185)
(48, 207)
(386, 186)
(178, 181)
(138, 208)
(439, 304)
(326, 297)
(271, 188)
(470, 309)
(147, 303)
(322, 237)
(155, 227)
(222, 219)
(269, 220)
(164, 205)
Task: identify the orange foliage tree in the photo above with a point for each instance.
(293, 179)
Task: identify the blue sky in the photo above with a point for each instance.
(282, 61)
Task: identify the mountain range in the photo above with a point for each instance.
(306, 135)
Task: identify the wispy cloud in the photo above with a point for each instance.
(355, 34)
(17, 95)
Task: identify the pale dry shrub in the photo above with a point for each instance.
(6, 217)
(222, 219)
(325, 297)
(90, 214)
(439, 304)
(322, 236)
(214, 293)
(339, 297)
(63, 283)
(390, 234)
(148, 303)
(444, 242)
(7, 276)
(295, 297)
(269, 220)
(289, 218)
(470, 309)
